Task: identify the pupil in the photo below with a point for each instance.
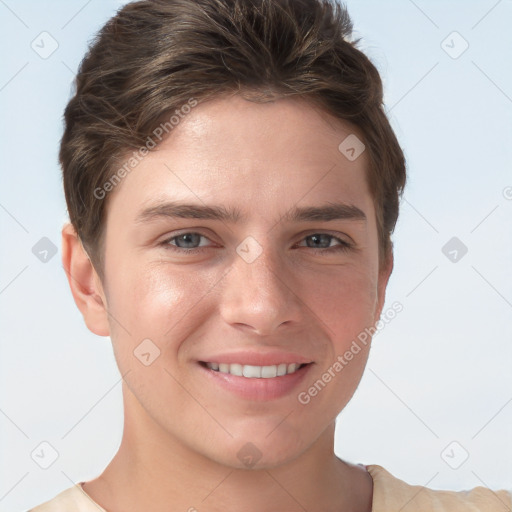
(187, 238)
(317, 239)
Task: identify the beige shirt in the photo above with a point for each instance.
(389, 495)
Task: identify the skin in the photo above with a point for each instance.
(182, 434)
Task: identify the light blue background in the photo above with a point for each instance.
(439, 372)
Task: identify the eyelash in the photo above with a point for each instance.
(342, 247)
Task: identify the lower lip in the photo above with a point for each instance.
(257, 389)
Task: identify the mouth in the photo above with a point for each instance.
(253, 382)
(254, 372)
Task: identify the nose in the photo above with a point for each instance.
(260, 296)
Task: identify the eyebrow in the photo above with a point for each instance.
(176, 209)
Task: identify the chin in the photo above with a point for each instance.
(261, 451)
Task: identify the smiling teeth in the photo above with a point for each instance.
(252, 372)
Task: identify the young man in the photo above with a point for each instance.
(232, 183)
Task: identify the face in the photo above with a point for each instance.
(270, 274)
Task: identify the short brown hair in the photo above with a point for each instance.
(153, 56)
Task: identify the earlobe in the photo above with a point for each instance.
(84, 282)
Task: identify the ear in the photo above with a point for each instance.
(84, 282)
(384, 275)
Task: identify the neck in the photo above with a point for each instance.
(154, 470)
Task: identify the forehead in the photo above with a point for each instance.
(289, 129)
(258, 157)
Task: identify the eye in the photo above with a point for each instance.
(322, 242)
(185, 242)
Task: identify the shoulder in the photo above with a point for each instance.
(73, 499)
(391, 494)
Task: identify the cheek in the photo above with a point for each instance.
(154, 302)
(154, 310)
(346, 306)
(345, 301)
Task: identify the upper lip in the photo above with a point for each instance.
(255, 358)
